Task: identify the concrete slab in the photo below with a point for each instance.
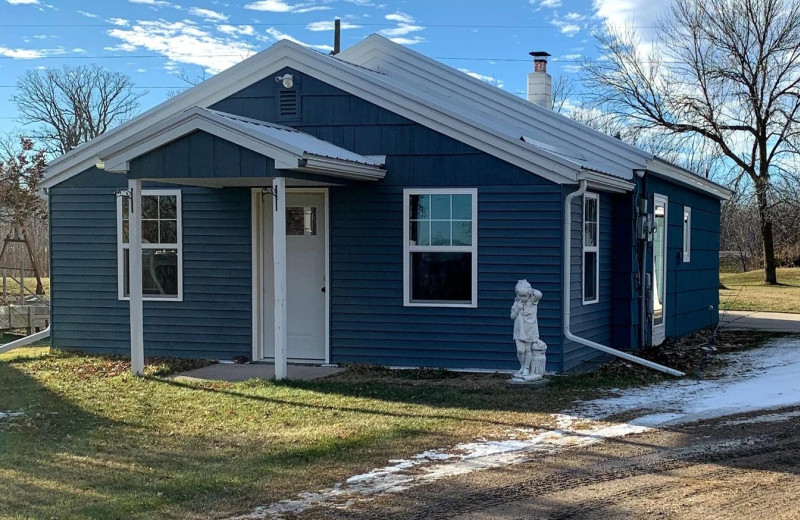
(233, 372)
(751, 320)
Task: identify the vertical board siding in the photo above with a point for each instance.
(692, 287)
(590, 321)
(212, 321)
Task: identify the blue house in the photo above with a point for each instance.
(375, 207)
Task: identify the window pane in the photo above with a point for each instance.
(168, 206)
(125, 231)
(125, 202)
(589, 276)
(149, 206)
(462, 207)
(419, 207)
(445, 277)
(440, 206)
(419, 233)
(159, 272)
(440, 233)
(301, 221)
(590, 210)
(168, 231)
(150, 231)
(589, 234)
(462, 233)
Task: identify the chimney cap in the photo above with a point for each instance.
(540, 54)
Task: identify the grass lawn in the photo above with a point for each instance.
(94, 442)
(746, 292)
(12, 287)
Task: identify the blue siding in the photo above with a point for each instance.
(692, 287)
(519, 219)
(591, 321)
(212, 321)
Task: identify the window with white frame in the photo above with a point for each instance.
(687, 234)
(440, 265)
(591, 248)
(162, 248)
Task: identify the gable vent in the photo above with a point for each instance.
(288, 104)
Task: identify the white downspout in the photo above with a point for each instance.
(566, 294)
(23, 342)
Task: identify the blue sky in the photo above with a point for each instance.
(153, 41)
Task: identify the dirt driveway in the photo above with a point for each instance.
(742, 466)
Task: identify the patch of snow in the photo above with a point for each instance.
(754, 380)
(773, 417)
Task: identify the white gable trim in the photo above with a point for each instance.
(367, 85)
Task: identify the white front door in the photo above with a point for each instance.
(306, 302)
(659, 285)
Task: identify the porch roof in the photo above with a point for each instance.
(289, 148)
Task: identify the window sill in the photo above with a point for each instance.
(590, 302)
(153, 299)
(443, 305)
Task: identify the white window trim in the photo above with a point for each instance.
(590, 249)
(179, 246)
(408, 248)
(687, 234)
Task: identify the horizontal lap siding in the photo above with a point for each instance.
(368, 320)
(692, 287)
(213, 320)
(590, 321)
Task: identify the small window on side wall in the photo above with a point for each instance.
(591, 248)
(162, 250)
(687, 234)
(440, 265)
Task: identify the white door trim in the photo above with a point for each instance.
(658, 332)
(258, 289)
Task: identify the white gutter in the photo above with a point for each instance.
(27, 340)
(566, 294)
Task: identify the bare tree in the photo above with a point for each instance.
(727, 72)
(563, 88)
(69, 106)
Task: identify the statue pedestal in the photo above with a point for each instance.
(538, 381)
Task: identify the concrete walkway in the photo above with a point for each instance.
(751, 320)
(233, 372)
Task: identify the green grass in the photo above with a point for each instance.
(95, 442)
(747, 292)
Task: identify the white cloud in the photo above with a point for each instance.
(547, 4)
(88, 15)
(122, 22)
(399, 17)
(300, 10)
(23, 2)
(278, 35)
(408, 41)
(183, 42)
(484, 77)
(639, 13)
(122, 47)
(329, 25)
(401, 30)
(272, 6)
(237, 30)
(30, 54)
(208, 14)
(155, 3)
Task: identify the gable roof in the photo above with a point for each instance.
(290, 149)
(478, 115)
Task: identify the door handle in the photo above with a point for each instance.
(323, 289)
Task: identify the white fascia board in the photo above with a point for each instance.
(379, 53)
(607, 182)
(339, 168)
(144, 142)
(676, 173)
(369, 86)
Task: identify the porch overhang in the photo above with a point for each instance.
(290, 149)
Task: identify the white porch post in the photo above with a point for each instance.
(279, 262)
(135, 276)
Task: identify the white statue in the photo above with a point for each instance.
(530, 349)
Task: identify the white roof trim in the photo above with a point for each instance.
(365, 84)
(603, 181)
(243, 133)
(676, 173)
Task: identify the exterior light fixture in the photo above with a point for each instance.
(287, 80)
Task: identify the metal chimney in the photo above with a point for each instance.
(540, 84)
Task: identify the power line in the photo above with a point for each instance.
(358, 25)
(176, 56)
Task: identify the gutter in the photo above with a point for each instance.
(27, 340)
(566, 295)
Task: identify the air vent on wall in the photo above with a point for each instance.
(288, 104)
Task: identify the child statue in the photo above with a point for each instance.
(530, 349)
